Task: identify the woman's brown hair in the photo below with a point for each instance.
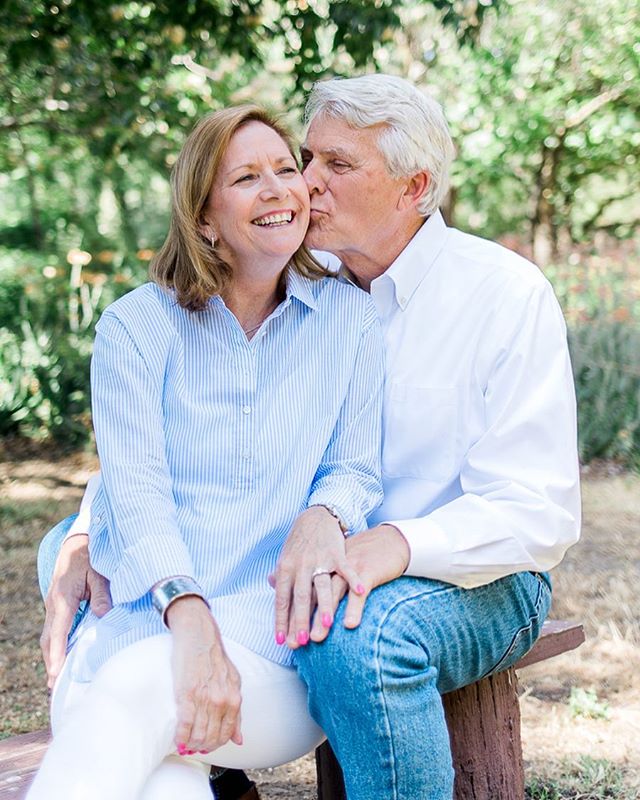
(186, 262)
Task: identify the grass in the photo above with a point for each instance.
(572, 748)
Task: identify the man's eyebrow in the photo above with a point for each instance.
(327, 151)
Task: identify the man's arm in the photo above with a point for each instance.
(73, 581)
(520, 504)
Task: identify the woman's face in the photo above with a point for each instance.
(258, 206)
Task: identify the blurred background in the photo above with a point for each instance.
(96, 100)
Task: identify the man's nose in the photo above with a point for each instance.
(313, 177)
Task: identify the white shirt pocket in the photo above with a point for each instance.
(420, 431)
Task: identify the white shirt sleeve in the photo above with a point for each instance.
(83, 520)
(520, 506)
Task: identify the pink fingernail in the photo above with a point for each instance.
(360, 589)
(280, 637)
(303, 637)
(203, 752)
(191, 752)
(182, 749)
(327, 620)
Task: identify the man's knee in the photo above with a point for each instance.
(390, 643)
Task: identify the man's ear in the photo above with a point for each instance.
(414, 190)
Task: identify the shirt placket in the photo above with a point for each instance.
(246, 419)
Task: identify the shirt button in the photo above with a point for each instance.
(246, 455)
(403, 301)
(246, 409)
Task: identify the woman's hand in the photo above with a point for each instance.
(206, 683)
(379, 555)
(315, 544)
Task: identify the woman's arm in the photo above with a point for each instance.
(346, 488)
(145, 545)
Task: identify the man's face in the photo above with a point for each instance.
(353, 197)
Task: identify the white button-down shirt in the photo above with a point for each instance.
(480, 465)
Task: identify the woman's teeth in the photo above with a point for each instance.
(275, 219)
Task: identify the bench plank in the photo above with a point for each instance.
(557, 637)
(20, 757)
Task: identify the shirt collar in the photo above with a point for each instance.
(300, 288)
(410, 268)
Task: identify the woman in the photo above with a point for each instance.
(226, 411)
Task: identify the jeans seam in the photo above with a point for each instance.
(521, 631)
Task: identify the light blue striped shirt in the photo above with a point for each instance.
(211, 445)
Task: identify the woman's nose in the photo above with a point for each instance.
(275, 186)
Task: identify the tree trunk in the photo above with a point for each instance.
(544, 233)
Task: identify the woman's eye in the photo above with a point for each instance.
(244, 178)
(288, 171)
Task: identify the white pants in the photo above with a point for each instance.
(113, 737)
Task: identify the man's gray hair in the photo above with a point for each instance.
(415, 137)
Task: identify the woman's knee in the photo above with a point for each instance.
(178, 778)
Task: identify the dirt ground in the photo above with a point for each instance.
(580, 711)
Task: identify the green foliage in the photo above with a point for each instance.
(606, 366)
(585, 703)
(587, 779)
(47, 315)
(600, 297)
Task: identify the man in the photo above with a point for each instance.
(479, 453)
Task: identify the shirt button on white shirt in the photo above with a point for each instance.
(246, 409)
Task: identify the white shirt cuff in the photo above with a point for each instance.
(431, 553)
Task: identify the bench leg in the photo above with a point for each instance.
(330, 781)
(484, 727)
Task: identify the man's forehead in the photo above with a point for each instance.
(330, 135)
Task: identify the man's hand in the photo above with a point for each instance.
(73, 580)
(315, 543)
(378, 556)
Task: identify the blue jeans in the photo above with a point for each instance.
(376, 690)
(47, 555)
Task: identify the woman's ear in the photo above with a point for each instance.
(414, 190)
(207, 230)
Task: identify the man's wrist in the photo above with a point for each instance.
(396, 535)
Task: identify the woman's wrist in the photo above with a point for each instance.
(187, 610)
(166, 592)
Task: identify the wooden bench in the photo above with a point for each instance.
(484, 728)
(483, 720)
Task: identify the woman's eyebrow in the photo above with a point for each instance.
(254, 165)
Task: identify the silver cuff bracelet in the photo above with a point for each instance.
(168, 591)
